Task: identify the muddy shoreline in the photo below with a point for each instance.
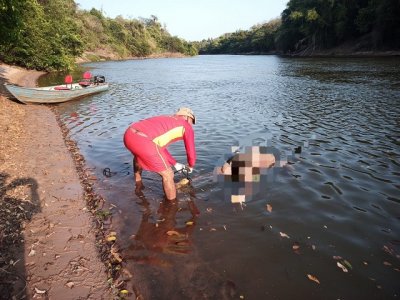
(54, 237)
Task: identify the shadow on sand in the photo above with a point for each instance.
(14, 212)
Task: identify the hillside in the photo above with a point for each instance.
(54, 35)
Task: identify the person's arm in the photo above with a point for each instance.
(188, 139)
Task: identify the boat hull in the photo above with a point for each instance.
(49, 95)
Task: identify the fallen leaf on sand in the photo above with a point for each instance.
(313, 278)
(39, 291)
(284, 235)
(116, 255)
(269, 208)
(172, 232)
(111, 238)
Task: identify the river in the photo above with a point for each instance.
(324, 223)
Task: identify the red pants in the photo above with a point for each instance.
(149, 155)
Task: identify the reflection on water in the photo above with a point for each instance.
(334, 204)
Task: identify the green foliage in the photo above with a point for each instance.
(308, 25)
(128, 37)
(322, 24)
(259, 39)
(51, 34)
(43, 35)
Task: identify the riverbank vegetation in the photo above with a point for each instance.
(53, 34)
(46, 35)
(315, 26)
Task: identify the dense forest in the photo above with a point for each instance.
(311, 26)
(52, 34)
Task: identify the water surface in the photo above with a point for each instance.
(338, 201)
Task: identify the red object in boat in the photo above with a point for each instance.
(87, 75)
(68, 79)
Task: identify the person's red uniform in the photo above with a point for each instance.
(148, 140)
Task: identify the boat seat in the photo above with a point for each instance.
(67, 80)
(86, 79)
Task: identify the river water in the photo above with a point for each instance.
(332, 207)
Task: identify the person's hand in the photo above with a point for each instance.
(179, 167)
(189, 169)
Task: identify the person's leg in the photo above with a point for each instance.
(137, 170)
(137, 173)
(168, 184)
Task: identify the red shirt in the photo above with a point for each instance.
(164, 130)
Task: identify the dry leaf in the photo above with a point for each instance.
(296, 246)
(344, 269)
(116, 255)
(111, 238)
(347, 264)
(189, 223)
(284, 235)
(39, 291)
(172, 232)
(269, 208)
(124, 292)
(313, 278)
(183, 182)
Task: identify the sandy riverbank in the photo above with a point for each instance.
(47, 236)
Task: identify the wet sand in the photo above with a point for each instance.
(47, 235)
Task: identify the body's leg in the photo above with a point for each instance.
(168, 184)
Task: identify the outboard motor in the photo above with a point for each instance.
(99, 79)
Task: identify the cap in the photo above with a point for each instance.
(184, 111)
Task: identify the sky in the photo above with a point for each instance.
(193, 20)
